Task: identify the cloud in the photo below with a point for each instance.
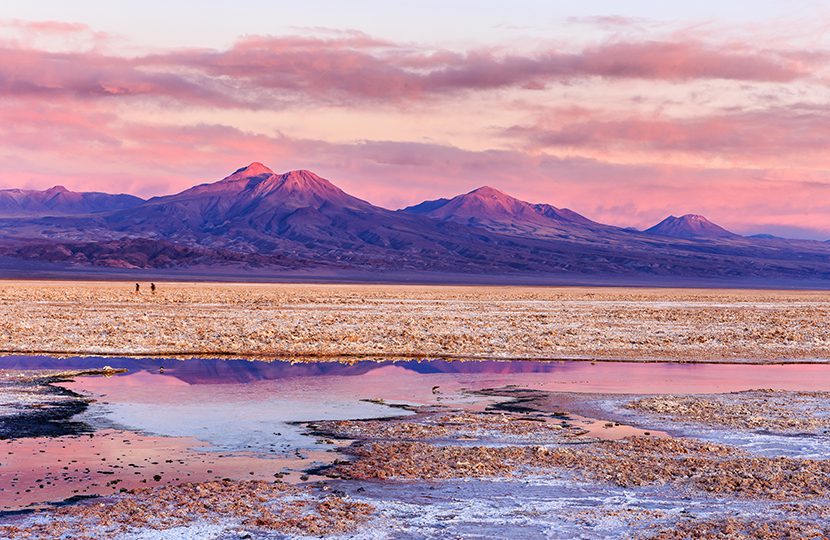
(48, 27)
(351, 67)
(93, 75)
(608, 20)
(356, 68)
(756, 133)
(667, 60)
(49, 34)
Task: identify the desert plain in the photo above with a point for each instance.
(702, 414)
(366, 320)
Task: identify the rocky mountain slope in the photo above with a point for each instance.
(258, 220)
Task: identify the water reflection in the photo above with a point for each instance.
(572, 376)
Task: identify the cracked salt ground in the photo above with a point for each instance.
(535, 507)
(805, 446)
(760, 441)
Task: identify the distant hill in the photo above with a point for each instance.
(59, 201)
(690, 226)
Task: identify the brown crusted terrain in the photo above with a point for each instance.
(617, 461)
(256, 505)
(790, 412)
(453, 425)
(385, 320)
(630, 462)
(737, 529)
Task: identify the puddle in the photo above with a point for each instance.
(254, 406)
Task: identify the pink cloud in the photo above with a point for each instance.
(364, 69)
(48, 27)
(668, 60)
(612, 21)
(93, 75)
(28, 35)
(352, 67)
(779, 131)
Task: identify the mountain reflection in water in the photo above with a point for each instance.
(570, 376)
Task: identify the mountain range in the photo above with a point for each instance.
(255, 221)
(58, 201)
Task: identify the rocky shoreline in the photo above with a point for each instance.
(34, 405)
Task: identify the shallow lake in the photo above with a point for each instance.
(198, 419)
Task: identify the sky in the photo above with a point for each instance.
(623, 111)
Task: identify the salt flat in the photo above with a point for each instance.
(519, 449)
(285, 320)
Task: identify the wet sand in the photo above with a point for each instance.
(339, 321)
(37, 471)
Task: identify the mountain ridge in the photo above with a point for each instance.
(255, 220)
(58, 200)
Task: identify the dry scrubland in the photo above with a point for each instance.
(389, 320)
